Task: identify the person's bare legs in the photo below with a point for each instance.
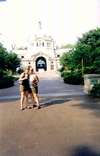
(29, 96)
(22, 100)
(26, 98)
(33, 100)
(36, 98)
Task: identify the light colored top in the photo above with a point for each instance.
(33, 80)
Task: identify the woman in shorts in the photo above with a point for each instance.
(33, 80)
(24, 87)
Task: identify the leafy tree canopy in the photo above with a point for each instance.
(8, 60)
(86, 52)
(12, 61)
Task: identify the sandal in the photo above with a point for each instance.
(39, 107)
(22, 109)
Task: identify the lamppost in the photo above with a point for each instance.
(82, 62)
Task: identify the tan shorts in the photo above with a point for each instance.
(35, 90)
(21, 88)
(24, 89)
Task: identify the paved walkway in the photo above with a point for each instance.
(50, 84)
(62, 127)
(65, 125)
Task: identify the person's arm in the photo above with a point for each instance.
(22, 77)
(37, 78)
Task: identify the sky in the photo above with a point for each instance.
(64, 20)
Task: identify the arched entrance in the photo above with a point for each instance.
(41, 63)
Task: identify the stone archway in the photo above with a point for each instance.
(41, 63)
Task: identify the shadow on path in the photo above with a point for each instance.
(87, 102)
(83, 150)
(55, 101)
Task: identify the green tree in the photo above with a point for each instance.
(83, 58)
(86, 53)
(12, 62)
(3, 56)
(8, 60)
(91, 39)
(66, 60)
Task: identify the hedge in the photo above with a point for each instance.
(72, 78)
(95, 92)
(6, 82)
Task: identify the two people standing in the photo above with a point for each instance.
(29, 86)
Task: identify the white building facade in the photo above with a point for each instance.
(40, 54)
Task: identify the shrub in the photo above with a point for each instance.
(95, 92)
(62, 73)
(6, 81)
(73, 78)
(2, 73)
(61, 69)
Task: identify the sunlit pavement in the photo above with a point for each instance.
(50, 84)
(64, 126)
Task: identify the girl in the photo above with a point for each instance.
(24, 87)
(34, 86)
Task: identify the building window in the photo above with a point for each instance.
(43, 44)
(52, 65)
(37, 44)
(22, 57)
(58, 55)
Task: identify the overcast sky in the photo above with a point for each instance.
(64, 20)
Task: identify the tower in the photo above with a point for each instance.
(40, 52)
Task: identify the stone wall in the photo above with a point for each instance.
(89, 81)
